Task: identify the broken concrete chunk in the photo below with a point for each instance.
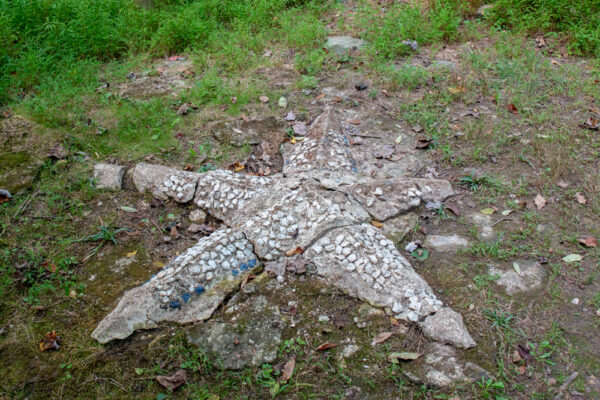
(447, 326)
(197, 216)
(443, 367)
(109, 176)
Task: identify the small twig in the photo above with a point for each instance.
(366, 136)
(500, 220)
(566, 384)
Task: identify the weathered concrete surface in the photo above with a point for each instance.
(109, 176)
(529, 278)
(442, 366)
(320, 206)
(446, 243)
(168, 79)
(251, 340)
(243, 133)
(447, 326)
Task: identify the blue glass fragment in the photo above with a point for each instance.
(174, 304)
(234, 272)
(186, 297)
(252, 263)
(243, 267)
(199, 290)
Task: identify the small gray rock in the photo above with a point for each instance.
(341, 44)
(447, 326)
(198, 216)
(109, 176)
(446, 244)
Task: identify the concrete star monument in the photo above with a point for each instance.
(322, 203)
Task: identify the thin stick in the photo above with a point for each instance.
(366, 136)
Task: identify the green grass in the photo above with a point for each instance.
(577, 19)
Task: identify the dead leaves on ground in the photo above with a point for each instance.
(382, 337)
(173, 381)
(326, 346)
(288, 370)
(539, 201)
(591, 124)
(588, 241)
(512, 108)
(50, 342)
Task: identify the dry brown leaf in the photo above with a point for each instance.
(512, 108)
(326, 346)
(539, 201)
(456, 90)
(263, 99)
(50, 342)
(173, 381)
(293, 252)
(376, 224)
(540, 41)
(319, 97)
(353, 121)
(580, 198)
(394, 321)
(589, 241)
(382, 337)
(288, 370)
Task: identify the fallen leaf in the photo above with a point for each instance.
(572, 258)
(506, 212)
(300, 128)
(173, 381)
(288, 370)
(517, 268)
(236, 130)
(487, 211)
(4, 196)
(236, 166)
(417, 128)
(376, 224)
(580, 198)
(539, 201)
(394, 321)
(540, 41)
(282, 102)
(398, 139)
(562, 184)
(319, 97)
(128, 209)
(353, 121)
(326, 346)
(233, 99)
(456, 90)
(423, 144)
(290, 116)
(512, 108)
(402, 355)
(420, 254)
(591, 123)
(588, 241)
(524, 353)
(204, 229)
(263, 99)
(50, 342)
(158, 264)
(382, 337)
(293, 252)
(453, 208)
(131, 254)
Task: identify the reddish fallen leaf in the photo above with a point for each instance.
(50, 342)
(5, 196)
(173, 381)
(293, 252)
(236, 166)
(376, 224)
(591, 124)
(174, 232)
(512, 108)
(423, 144)
(353, 121)
(454, 208)
(539, 201)
(589, 241)
(319, 97)
(293, 310)
(50, 267)
(580, 198)
(326, 346)
(382, 337)
(288, 370)
(524, 353)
